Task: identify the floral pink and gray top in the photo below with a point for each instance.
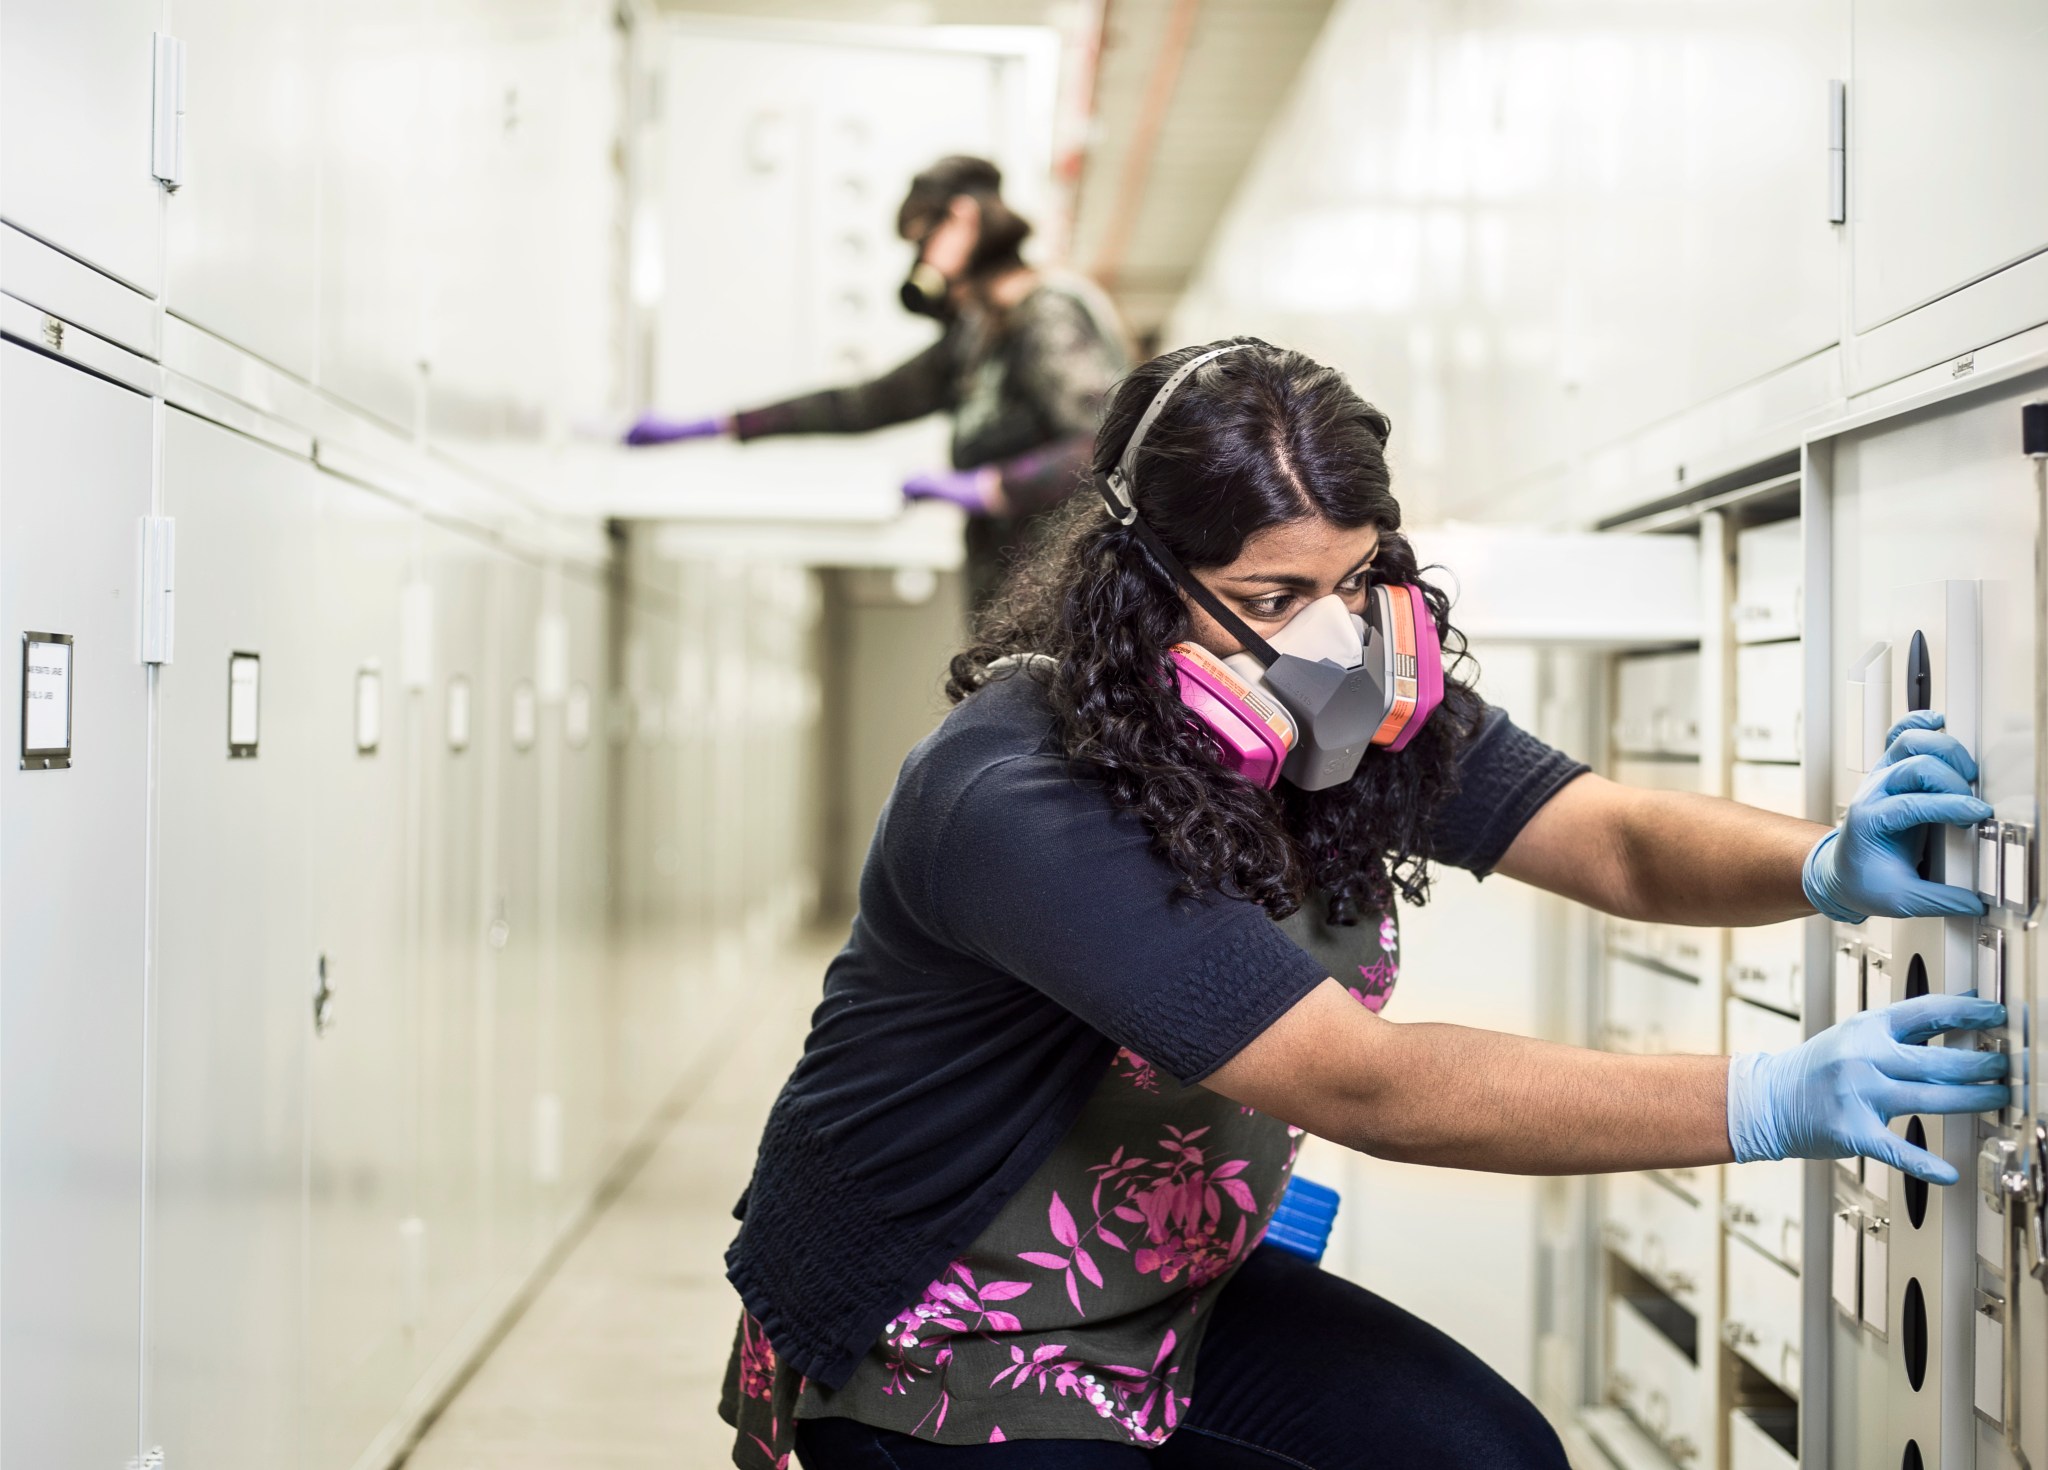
(1079, 1311)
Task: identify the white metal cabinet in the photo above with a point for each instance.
(75, 461)
(1670, 1239)
(362, 1070)
(1657, 704)
(1770, 581)
(1762, 1322)
(1768, 701)
(75, 94)
(1661, 1387)
(235, 958)
(1947, 116)
(242, 253)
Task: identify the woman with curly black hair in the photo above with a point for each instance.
(1016, 1204)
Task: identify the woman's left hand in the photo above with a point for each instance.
(1869, 865)
(979, 492)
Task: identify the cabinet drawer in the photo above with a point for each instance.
(1682, 948)
(1762, 1324)
(1769, 579)
(1767, 964)
(1762, 1204)
(1657, 704)
(1756, 1439)
(1652, 1012)
(1657, 1384)
(1768, 701)
(1667, 1237)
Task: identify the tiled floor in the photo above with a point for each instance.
(617, 1362)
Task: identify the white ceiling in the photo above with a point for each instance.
(1142, 235)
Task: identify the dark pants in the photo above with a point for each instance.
(1299, 1369)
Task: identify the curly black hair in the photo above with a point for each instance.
(1256, 438)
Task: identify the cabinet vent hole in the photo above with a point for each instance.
(1913, 1334)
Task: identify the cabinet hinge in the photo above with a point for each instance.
(167, 111)
(1838, 153)
(159, 583)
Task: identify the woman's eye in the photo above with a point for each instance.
(1268, 607)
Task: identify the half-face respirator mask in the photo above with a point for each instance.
(926, 291)
(1306, 703)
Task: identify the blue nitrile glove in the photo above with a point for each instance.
(652, 428)
(974, 491)
(1831, 1096)
(1868, 865)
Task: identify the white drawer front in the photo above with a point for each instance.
(1767, 964)
(1762, 1203)
(1668, 1238)
(1768, 702)
(1768, 582)
(1763, 1315)
(1752, 1447)
(1657, 1384)
(1653, 1013)
(1657, 704)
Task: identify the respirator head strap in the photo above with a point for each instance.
(1119, 493)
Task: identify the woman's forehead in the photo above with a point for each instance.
(1307, 547)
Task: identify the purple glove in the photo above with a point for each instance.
(978, 492)
(652, 428)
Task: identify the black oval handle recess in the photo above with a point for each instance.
(1919, 674)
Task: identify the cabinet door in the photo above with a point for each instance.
(75, 88)
(236, 954)
(75, 463)
(362, 1064)
(1947, 114)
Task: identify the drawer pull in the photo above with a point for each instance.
(1738, 1335)
(1737, 1214)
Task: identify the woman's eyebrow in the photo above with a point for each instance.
(1294, 579)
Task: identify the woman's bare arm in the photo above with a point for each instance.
(1667, 856)
(1449, 1095)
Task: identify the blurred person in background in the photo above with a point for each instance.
(1022, 365)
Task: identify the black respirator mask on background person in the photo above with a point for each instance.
(1309, 715)
(926, 291)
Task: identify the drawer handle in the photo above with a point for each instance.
(1788, 1364)
(1620, 1387)
(1657, 1414)
(1681, 1449)
(1677, 1283)
(1738, 1335)
(1738, 1214)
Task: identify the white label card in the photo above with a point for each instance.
(45, 697)
(1990, 1384)
(1848, 1244)
(458, 713)
(1848, 983)
(245, 674)
(1877, 1280)
(525, 715)
(2018, 890)
(576, 717)
(369, 709)
(1987, 861)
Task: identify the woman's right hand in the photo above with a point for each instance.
(1831, 1096)
(653, 428)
